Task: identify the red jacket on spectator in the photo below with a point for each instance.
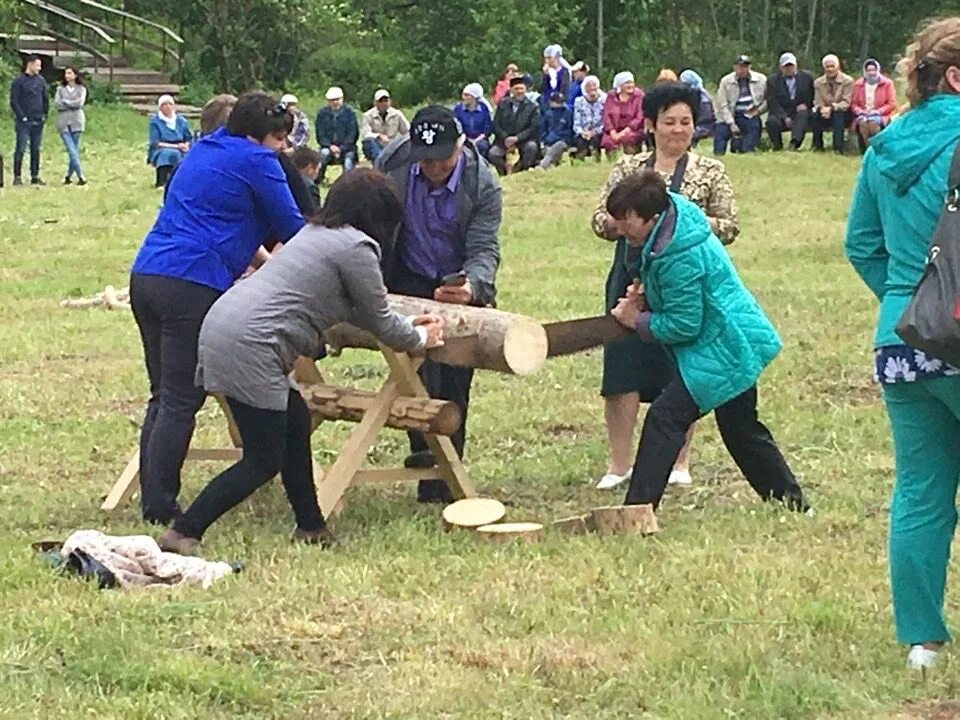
(500, 90)
(884, 99)
(620, 115)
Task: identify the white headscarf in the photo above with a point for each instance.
(170, 122)
(552, 51)
(474, 89)
(621, 79)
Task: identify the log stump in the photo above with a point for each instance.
(472, 513)
(624, 520)
(524, 532)
(576, 525)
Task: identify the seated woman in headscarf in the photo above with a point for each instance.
(706, 114)
(873, 104)
(623, 116)
(170, 138)
(329, 273)
(474, 116)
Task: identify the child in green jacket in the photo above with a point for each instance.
(690, 298)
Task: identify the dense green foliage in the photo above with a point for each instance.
(429, 49)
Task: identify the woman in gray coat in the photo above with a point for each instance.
(71, 121)
(330, 272)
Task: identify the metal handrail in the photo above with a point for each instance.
(60, 12)
(137, 41)
(72, 42)
(135, 18)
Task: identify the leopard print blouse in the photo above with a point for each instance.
(705, 183)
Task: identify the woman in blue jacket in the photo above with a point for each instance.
(896, 205)
(474, 117)
(169, 141)
(227, 198)
(690, 299)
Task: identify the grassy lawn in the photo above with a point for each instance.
(735, 610)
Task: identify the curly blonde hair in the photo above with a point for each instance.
(935, 47)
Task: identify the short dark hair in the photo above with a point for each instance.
(216, 112)
(304, 157)
(644, 193)
(369, 201)
(32, 58)
(76, 74)
(665, 95)
(257, 115)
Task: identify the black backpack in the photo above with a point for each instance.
(932, 320)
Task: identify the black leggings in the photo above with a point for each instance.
(747, 440)
(274, 441)
(169, 313)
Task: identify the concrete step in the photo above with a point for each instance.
(154, 89)
(129, 75)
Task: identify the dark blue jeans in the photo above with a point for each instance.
(836, 124)
(747, 141)
(372, 149)
(31, 132)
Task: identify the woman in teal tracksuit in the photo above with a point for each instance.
(690, 298)
(899, 195)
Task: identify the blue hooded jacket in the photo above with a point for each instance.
(896, 205)
(556, 124)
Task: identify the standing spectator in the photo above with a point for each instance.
(579, 71)
(475, 118)
(789, 99)
(300, 137)
(588, 119)
(337, 133)
(204, 238)
(741, 100)
(170, 138)
(832, 94)
(502, 87)
(30, 105)
(556, 75)
(215, 113)
(381, 124)
(451, 222)
(516, 128)
(556, 131)
(71, 120)
(873, 103)
(532, 95)
(706, 115)
(896, 207)
(623, 116)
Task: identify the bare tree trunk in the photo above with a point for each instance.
(765, 28)
(825, 25)
(867, 27)
(600, 34)
(715, 19)
(795, 38)
(742, 21)
(811, 26)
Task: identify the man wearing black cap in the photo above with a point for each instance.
(516, 126)
(448, 248)
(741, 100)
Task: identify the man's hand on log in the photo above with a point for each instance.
(454, 294)
(433, 324)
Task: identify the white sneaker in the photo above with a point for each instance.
(680, 477)
(611, 481)
(920, 658)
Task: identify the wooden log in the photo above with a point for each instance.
(524, 532)
(474, 337)
(426, 415)
(473, 513)
(576, 525)
(624, 520)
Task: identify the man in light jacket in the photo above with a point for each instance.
(448, 249)
(741, 100)
(832, 95)
(381, 124)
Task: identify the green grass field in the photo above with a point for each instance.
(735, 610)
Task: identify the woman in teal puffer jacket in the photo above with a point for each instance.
(895, 208)
(689, 298)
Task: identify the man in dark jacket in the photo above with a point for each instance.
(337, 133)
(448, 249)
(789, 103)
(516, 126)
(29, 103)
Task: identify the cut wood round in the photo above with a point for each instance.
(473, 513)
(576, 525)
(476, 337)
(624, 520)
(525, 532)
(426, 415)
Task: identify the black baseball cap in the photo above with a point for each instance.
(743, 60)
(434, 133)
